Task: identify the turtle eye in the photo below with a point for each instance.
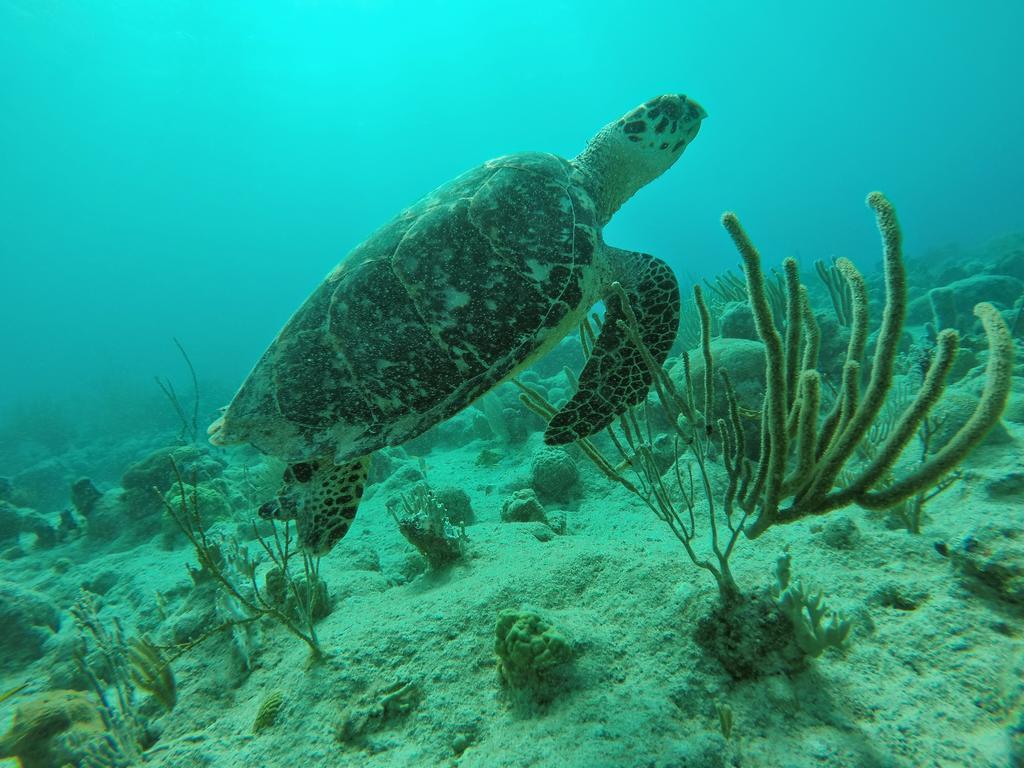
(302, 472)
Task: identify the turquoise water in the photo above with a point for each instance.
(177, 176)
(193, 169)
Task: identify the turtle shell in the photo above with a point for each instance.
(429, 313)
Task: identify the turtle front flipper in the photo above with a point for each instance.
(616, 377)
(322, 497)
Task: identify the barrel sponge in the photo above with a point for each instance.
(528, 648)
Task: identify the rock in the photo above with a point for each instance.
(840, 533)
(362, 583)
(406, 567)
(456, 432)
(517, 423)
(384, 463)
(523, 507)
(953, 304)
(750, 638)
(84, 496)
(63, 651)
(558, 396)
(109, 519)
(1005, 256)
(952, 412)
(898, 595)
(10, 524)
(363, 557)
(541, 532)
(557, 521)
(102, 582)
(146, 481)
(28, 619)
(737, 321)
(456, 503)
(69, 525)
(990, 560)
(554, 474)
(53, 729)
(919, 311)
(43, 486)
(744, 360)
(378, 710)
(45, 531)
(12, 553)
(1010, 486)
(213, 507)
(1015, 407)
(834, 342)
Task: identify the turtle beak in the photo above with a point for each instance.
(695, 111)
(689, 110)
(677, 106)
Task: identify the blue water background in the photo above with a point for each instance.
(193, 169)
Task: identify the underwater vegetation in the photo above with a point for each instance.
(448, 630)
(559, 466)
(803, 466)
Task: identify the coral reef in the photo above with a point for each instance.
(146, 481)
(109, 520)
(233, 571)
(530, 651)
(299, 596)
(425, 523)
(952, 304)
(744, 359)
(151, 672)
(523, 506)
(749, 638)
(53, 729)
(267, 714)
(807, 613)
(214, 504)
(632, 660)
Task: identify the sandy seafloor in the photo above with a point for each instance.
(931, 676)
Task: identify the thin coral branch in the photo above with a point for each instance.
(188, 517)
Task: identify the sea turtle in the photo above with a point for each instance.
(455, 295)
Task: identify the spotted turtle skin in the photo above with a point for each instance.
(452, 296)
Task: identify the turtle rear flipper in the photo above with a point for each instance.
(322, 497)
(616, 377)
(329, 504)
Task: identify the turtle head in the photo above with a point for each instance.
(637, 148)
(655, 134)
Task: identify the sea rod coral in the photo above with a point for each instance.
(805, 465)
